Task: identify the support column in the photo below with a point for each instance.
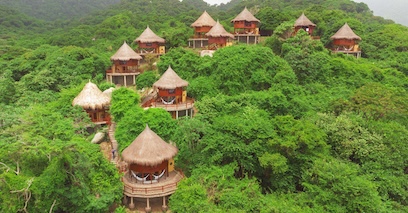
(201, 43)
(247, 39)
(124, 80)
(131, 205)
(134, 79)
(176, 114)
(164, 207)
(148, 208)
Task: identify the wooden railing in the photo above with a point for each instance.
(199, 37)
(189, 103)
(149, 189)
(124, 72)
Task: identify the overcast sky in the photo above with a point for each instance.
(391, 9)
(216, 1)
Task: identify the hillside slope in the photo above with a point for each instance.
(57, 9)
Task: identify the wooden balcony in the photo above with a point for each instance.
(354, 51)
(346, 51)
(195, 37)
(124, 73)
(165, 186)
(245, 34)
(188, 104)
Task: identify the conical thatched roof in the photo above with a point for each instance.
(245, 15)
(148, 149)
(204, 20)
(303, 21)
(108, 93)
(148, 36)
(125, 53)
(345, 32)
(91, 97)
(170, 80)
(218, 31)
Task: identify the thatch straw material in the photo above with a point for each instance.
(170, 80)
(204, 20)
(303, 21)
(125, 53)
(218, 31)
(148, 36)
(148, 149)
(91, 97)
(108, 93)
(245, 15)
(345, 32)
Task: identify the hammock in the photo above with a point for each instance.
(156, 177)
(168, 102)
(139, 178)
(145, 51)
(348, 49)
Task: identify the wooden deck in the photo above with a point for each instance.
(123, 74)
(356, 54)
(189, 104)
(165, 186)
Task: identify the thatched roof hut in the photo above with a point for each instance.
(148, 36)
(218, 31)
(148, 149)
(303, 21)
(245, 15)
(345, 32)
(125, 53)
(108, 93)
(91, 97)
(170, 80)
(204, 20)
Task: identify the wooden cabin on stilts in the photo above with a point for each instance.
(246, 27)
(218, 37)
(95, 103)
(150, 43)
(304, 23)
(125, 66)
(150, 172)
(171, 95)
(201, 26)
(346, 41)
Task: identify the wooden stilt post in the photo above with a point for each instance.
(148, 208)
(131, 205)
(164, 207)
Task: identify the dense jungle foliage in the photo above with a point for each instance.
(283, 126)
